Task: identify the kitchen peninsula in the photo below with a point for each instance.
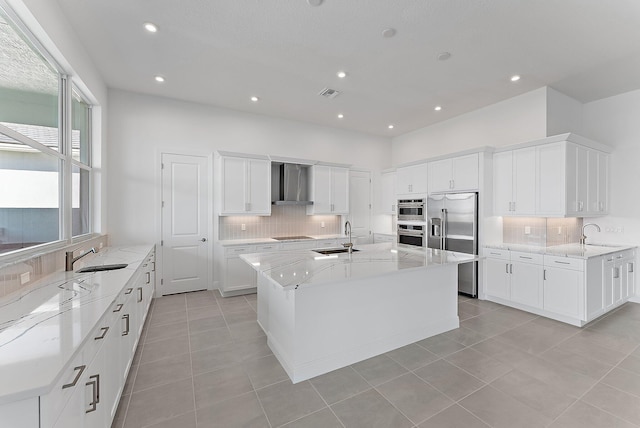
(323, 312)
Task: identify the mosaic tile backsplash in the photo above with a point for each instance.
(542, 232)
(285, 220)
(23, 272)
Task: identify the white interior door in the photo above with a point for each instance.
(185, 225)
(360, 205)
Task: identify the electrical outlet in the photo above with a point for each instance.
(100, 246)
(243, 226)
(24, 278)
(559, 230)
(322, 224)
(527, 230)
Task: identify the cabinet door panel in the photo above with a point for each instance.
(526, 284)
(403, 180)
(465, 172)
(233, 185)
(388, 200)
(562, 292)
(551, 179)
(603, 183)
(582, 178)
(524, 181)
(420, 178)
(321, 189)
(502, 183)
(497, 278)
(239, 274)
(259, 188)
(440, 176)
(591, 205)
(340, 190)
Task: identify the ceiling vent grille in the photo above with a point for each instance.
(329, 93)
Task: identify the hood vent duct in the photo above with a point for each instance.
(289, 183)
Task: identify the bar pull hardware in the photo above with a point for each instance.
(154, 266)
(118, 307)
(139, 294)
(616, 272)
(511, 268)
(619, 257)
(95, 386)
(129, 290)
(77, 378)
(104, 333)
(148, 277)
(506, 266)
(126, 320)
(562, 263)
(544, 274)
(630, 267)
(523, 257)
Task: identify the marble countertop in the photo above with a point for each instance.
(290, 269)
(232, 242)
(43, 325)
(567, 250)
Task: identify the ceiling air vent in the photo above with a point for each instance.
(329, 93)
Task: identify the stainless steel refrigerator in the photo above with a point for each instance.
(453, 225)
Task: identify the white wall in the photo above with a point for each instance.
(141, 126)
(516, 120)
(564, 114)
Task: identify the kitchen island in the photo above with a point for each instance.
(323, 312)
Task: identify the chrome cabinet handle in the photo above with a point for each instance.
(154, 267)
(544, 274)
(129, 290)
(118, 307)
(524, 257)
(562, 263)
(506, 267)
(616, 272)
(511, 268)
(104, 333)
(126, 320)
(630, 267)
(148, 277)
(77, 378)
(95, 386)
(139, 294)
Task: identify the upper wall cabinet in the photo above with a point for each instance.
(329, 190)
(412, 180)
(245, 186)
(559, 179)
(387, 202)
(454, 174)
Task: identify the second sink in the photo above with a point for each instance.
(101, 268)
(334, 251)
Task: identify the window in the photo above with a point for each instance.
(40, 161)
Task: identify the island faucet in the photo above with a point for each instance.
(347, 231)
(583, 238)
(70, 260)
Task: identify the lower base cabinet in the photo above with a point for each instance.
(563, 292)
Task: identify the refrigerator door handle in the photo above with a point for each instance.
(443, 236)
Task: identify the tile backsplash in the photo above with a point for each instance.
(543, 232)
(20, 273)
(285, 220)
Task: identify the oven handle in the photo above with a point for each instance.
(410, 205)
(410, 232)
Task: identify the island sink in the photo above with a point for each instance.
(101, 268)
(328, 251)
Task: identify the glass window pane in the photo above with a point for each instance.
(29, 196)
(28, 88)
(80, 201)
(80, 137)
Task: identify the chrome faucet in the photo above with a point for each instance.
(347, 231)
(70, 260)
(583, 238)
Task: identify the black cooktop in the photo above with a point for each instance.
(291, 238)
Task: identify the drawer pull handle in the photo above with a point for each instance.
(496, 254)
(80, 370)
(95, 386)
(506, 266)
(148, 277)
(104, 333)
(126, 320)
(619, 257)
(562, 263)
(630, 267)
(118, 307)
(544, 274)
(154, 267)
(129, 290)
(139, 294)
(523, 257)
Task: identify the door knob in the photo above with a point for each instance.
(204, 239)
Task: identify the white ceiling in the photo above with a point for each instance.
(221, 52)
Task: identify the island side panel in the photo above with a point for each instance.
(281, 323)
(345, 322)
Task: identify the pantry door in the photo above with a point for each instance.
(185, 226)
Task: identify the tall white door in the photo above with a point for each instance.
(360, 205)
(185, 225)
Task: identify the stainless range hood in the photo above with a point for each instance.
(289, 182)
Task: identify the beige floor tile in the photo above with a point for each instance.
(611, 400)
(252, 348)
(321, 419)
(582, 415)
(339, 384)
(484, 327)
(164, 304)
(535, 337)
(369, 410)
(161, 349)
(502, 411)
(416, 399)
(623, 380)
(160, 404)
(160, 332)
(203, 312)
(449, 379)
(214, 358)
(577, 362)
(379, 369)
(188, 420)
(412, 356)
(631, 363)
(564, 381)
(502, 352)
(209, 339)
(246, 330)
(441, 345)
(465, 336)
(167, 370)
(264, 371)
(220, 385)
(453, 417)
(204, 324)
(241, 411)
(240, 316)
(472, 309)
(479, 365)
(508, 317)
(285, 402)
(168, 318)
(588, 344)
(201, 298)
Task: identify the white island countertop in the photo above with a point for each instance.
(44, 324)
(291, 269)
(576, 251)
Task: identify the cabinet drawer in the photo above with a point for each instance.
(564, 262)
(267, 248)
(517, 256)
(231, 251)
(497, 254)
(628, 254)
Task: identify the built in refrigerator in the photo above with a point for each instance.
(453, 225)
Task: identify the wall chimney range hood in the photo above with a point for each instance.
(289, 182)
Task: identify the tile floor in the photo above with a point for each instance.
(204, 362)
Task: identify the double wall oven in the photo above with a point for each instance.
(412, 222)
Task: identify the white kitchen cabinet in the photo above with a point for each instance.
(455, 174)
(238, 275)
(388, 200)
(526, 279)
(412, 180)
(563, 291)
(245, 187)
(329, 190)
(514, 178)
(498, 281)
(551, 173)
(618, 278)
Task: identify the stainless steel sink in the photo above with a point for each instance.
(101, 268)
(334, 251)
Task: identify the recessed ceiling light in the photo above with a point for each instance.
(443, 56)
(340, 116)
(388, 32)
(255, 99)
(515, 78)
(314, 2)
(390, 126)
(341, 74)
(437, 108)
(159, 79)
(152, 28)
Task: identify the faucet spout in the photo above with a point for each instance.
(583, 238)
(70, 260)
(347, 231)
